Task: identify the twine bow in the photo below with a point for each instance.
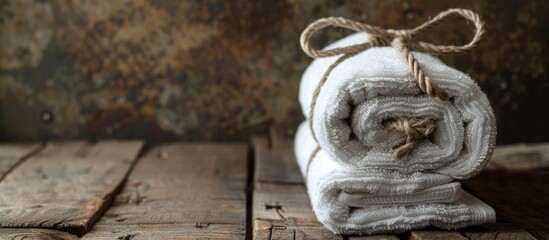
(402, 40)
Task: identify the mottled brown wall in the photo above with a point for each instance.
(222, 70)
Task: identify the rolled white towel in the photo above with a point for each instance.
(375, 85)
(368, 202)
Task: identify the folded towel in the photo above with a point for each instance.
(357, 201)
(375, 85)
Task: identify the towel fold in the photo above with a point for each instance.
(375, 85)
(354, 201)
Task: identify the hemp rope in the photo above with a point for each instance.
(402, 41)
(414, 128)
(309, 161)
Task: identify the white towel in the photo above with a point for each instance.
(350, 201)
(375, 85)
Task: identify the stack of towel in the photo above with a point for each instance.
(355, 182)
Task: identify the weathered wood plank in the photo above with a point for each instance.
(67, 185)
(277, 164)
(281, 206)
(513, 183)
(520, 157)
(34, 233)
(522, 198)
(167, 231)
(283, 210)
(496, 231)
(181, 191)
(374, 237)
(482, 232)
(281, 136)
(436, 234)
(12, 154)
(278, 185)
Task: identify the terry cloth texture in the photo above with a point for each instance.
(375, 85)
(355, 183)
(355, 201)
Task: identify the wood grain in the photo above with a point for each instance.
(436, 234)
(520, 157)
(281, 206)
(276, 164)
(67, 185)
(181, 191)
(498, 231)
(13, 154)
(192, 191)
(374, 237)
(522, 198)
(34, 233)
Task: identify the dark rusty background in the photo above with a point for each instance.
(224, 70)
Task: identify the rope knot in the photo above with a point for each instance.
(415, 130)
(403, 41)
(406, 36)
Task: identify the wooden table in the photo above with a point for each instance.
(126, 190)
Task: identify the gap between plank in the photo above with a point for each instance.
(24, 158)
(250, 191)
(112, 196)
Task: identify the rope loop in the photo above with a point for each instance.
(403, 40)
(379, 33)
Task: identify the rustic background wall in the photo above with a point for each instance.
(223, 70)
